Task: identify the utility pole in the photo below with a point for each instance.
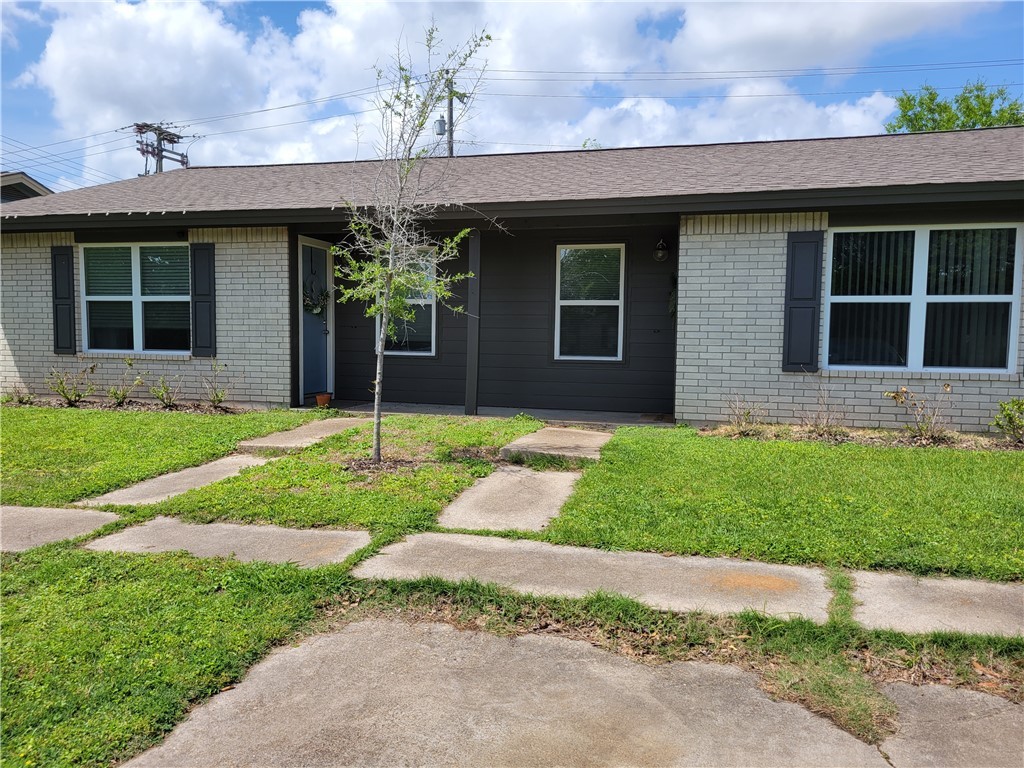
(451, 115)
(156, 148)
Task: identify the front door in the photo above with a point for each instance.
(316, 278)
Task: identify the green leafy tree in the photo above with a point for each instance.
(390, 258)
(974, 107)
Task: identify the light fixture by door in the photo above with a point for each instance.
(661, 250)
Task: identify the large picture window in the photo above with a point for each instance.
(924, 298)
(137, 298)
(588, 312)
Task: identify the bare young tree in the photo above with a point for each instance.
(390, 258)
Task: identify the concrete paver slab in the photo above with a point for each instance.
(719, 585)
(942, 726)
(912, 604)
(270, 543)
(389, 693)
(23, 528)
(175, 483)
(300, 437)
(510, 498)
(558, 442)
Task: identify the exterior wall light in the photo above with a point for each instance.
(661, 250)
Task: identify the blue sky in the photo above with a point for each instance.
(558, 74)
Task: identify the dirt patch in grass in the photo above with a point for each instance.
(835, 435)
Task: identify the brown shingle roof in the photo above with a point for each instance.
(990, 155)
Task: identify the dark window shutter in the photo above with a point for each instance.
(63, 268)
(803, 301)
(204, 301)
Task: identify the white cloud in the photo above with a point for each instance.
(108, 65)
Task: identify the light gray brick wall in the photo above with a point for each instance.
(732, 276)
(251, 270)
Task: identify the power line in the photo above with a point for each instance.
(41, 160)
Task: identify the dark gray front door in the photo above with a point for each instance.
(316, 308)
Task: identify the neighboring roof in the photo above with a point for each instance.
(481, 181)
(18, 185)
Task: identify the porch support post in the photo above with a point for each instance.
(473, 325)
(294, 314)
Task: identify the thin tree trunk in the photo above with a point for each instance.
(378, 382)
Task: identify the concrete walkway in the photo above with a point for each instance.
(668, 583)
(388, 693)
(23, 528)
(717, 585)
(269, 543)
(510, 498)
(301, 437)
(558, 442)
(175, 483)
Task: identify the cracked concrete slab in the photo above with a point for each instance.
(941, 726)
(718, 585)
(301, 437)
(269, 543)
(390, 693)
(514, 498)
(175, 483)
(23, 528)
(913, 604)
(558, 442)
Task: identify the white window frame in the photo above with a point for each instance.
(559, 302)
(426, 301)
(137, 300)
(918, 299)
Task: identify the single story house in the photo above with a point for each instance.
(660, 280)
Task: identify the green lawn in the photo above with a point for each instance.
(429, 461)
(53, 456)
(922, 510)
(103, 653)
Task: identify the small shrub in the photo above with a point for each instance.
(825, 419)
(216, 390)
(130, 381)
(928, 415)
(1010, 419)
(745, 418)
(72, 386)
(19, 396)
(167, 393)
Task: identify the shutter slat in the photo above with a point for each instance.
(62, 258)
(803, 302)
(204, 301)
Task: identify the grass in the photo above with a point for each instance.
(53, 456)
(925, 511)
(103, 653)
(428, 461)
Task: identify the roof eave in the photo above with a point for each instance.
(743, 202)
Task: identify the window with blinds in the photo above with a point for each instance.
(137, 298)
(589, 305)
(924, 298)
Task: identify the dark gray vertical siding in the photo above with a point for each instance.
(440, 379)
(517, 365)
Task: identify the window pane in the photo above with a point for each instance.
(971, 262)
(967, 335)
(589, 274)
(872, 263)
(108, 272)
(164, 270)
(110, 325)
(868, 334)
(589, 331)
(165, 325)
(413, 335)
